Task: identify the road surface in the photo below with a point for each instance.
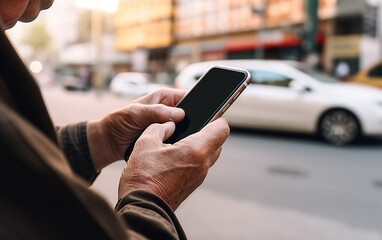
(265, 185)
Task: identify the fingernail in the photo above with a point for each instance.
(176, 114)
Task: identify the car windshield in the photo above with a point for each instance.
(322, 77)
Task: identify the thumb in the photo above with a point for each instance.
(159, 132)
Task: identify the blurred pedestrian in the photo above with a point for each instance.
(46, 171)
(343, 71)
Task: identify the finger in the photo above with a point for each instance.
(166, 96)
(157, 132)
(216, 156)
(159, 113)
(171, 96)
(178, 94)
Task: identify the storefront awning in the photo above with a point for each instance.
(350, 7)
(86, 54)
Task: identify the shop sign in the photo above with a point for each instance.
(345, 46)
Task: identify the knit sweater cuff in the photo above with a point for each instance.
(73, 140)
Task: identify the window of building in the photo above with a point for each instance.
(348, 25)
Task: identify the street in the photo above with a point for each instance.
(264, 185)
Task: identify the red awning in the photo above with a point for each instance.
(285, 42)
(247, 46)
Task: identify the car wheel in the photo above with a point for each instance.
(339, 127)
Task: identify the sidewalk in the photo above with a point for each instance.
(207, 215)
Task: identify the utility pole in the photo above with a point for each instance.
(311, 31)
(96, 32)
(262, 12)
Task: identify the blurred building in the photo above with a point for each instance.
(54, 23)
(353, 39)
(145, 27)
(70, 48)
(171, 34)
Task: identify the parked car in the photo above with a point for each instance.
(288, 96)
(74, 83)
(133, 84)
(371, 76)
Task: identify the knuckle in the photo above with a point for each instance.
(159, 91)
(226, 131)
(158, 109)
(143, 139)
(192, 152)
(219, 139)
(135, 107)
(152, 127)
(154, 111)
(200, 153)
(147, 135)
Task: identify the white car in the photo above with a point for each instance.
(132, 84)
(287, 96)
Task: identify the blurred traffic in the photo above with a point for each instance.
(371, 76)
(316, 70)
(133, 84)
(286, 95)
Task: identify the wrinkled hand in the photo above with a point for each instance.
(172, 172)
(109, 137)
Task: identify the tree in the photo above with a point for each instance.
(38, 38)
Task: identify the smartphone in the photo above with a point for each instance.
(211, 96)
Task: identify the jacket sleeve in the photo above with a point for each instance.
(146, 215)
(149, 216)
(74, 144)
(41, 196)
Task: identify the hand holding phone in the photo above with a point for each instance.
(211, 96)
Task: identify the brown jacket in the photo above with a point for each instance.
(43, 191)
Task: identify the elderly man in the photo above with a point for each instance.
(45, 171)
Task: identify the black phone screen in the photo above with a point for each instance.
(205, 100)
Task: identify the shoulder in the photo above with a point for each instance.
(21, 140)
